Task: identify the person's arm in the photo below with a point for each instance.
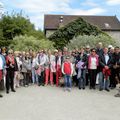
(63, 68)
(71, 69)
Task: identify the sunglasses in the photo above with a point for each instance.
(93, 51)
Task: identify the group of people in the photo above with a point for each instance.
(80, 67)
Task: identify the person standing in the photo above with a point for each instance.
(106, 65)
(81, 65)
(93, 63)
(41, 63)
(67, 70)
(59, 61)
(10, 67)
(2, 68)
(49, 68)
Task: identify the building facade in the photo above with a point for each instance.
(108, 24)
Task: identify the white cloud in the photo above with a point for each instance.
(90, 3)
(113, 2)
(1, 8)
(37, 8)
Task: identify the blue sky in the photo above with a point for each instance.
(36, 9)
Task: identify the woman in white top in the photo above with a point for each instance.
(50, 68)
(92, 67)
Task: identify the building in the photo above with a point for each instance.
(109, 24)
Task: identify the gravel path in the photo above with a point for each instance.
(51, 103)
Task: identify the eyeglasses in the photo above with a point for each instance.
(93, 51)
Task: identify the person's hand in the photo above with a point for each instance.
(106, 67)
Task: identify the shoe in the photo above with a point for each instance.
(83, 88)
(107, 90)
(1, 96)
(7, 92)
(94, 88)
(13, 90)
(117, 95)
(100, 89)
(90, 87)
(79, 88)
(69, 89)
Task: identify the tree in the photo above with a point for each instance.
(82, 41)
(14, 25)
(24, 43)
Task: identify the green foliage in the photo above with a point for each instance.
(24, 43)
(82, 41)
(5, 43)
(73, 29)
(14, 25)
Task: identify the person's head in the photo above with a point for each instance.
(105, 50)
(73, 53)
(3, 50)
(41, 52)
(16, 53)
(65, 51)
(82, 49)
(10, 52)
(23, 53)
(67, 59)
(59, 52)
(56, 52)
(110, 46)
(27, 54)
(87, 48)
(117, 49)
(34, 55)
(49, 52)
(112, 50)
(99, 45)
(93, 51)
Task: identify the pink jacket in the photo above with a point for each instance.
(89, 61)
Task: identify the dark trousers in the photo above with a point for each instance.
(114, 73)
(26, 78)
(87, 77)
(41, 78)
(10, 80)
(93, 74)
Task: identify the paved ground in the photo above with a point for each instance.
(51, 103)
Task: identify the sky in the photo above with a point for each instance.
(36, 9)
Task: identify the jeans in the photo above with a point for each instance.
(82, 79)
(68, 81)
(104, 84)
(34, 76)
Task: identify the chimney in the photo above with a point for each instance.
(61, 21)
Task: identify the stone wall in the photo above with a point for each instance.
(115, 35)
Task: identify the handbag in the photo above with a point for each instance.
(36, 67)
(61, 80)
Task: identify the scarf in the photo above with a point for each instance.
(106, 73)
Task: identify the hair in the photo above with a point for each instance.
(117, 47)
(93, 49)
